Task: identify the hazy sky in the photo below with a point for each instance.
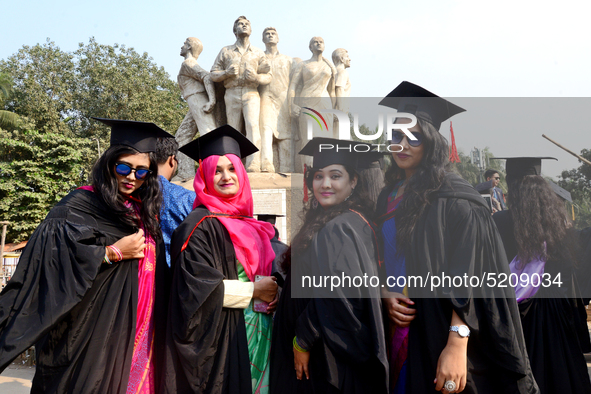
(462, 48)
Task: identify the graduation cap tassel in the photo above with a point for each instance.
(453, 151)
(305, 186)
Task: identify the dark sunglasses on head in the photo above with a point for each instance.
(397, 137)
(125, 169)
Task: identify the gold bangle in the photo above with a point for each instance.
(297, 347)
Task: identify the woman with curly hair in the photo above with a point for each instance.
(541, 246)
(85, 290)
(328, 337)
(433, 224)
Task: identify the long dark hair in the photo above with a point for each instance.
(105, 186)
(373, 180)
(538, 216)
(315, 217)
(423, 185)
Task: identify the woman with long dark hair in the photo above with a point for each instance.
(328, 337)
(218, 339)
(433, 224)
(541, 247)
(84, 291)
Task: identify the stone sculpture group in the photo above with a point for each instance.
(263, 94)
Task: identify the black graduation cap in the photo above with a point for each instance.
(269, 218)
(328, 151)
(411, 98)
(141, 136)
(518, 167)
(221, 141)
(564, 194)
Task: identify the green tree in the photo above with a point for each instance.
(37, 169)
(578, 182)
(119, 83)
(8, 119)
(43, 77)
(60, 91)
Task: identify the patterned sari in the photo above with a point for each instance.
(259, 327)
(141, 376)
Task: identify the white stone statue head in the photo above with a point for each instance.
(341, 56)
(316, 44)
(242, 26)
(270, 35)
(193, 45)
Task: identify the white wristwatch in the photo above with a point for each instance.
(462, 330)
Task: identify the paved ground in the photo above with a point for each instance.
(16, 379)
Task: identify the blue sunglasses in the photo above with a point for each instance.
(125, 169)
(397, 137)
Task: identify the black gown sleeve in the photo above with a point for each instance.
(475, 249)
(56, 269)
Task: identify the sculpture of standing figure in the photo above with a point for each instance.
(342, 90)
(275, 118)
(315, 77)
(342, 62)
(198, 91)
(243, 68)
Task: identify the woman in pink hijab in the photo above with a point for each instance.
(216, 341)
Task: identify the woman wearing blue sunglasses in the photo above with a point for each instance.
(88, 284)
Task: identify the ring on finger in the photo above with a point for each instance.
(450, 386)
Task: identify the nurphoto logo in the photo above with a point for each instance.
(344, 133)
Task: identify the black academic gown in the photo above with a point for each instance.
(554, 324)
(279, 248)
(78, 312)
(345, 333)
(456, 236)
(206, 349)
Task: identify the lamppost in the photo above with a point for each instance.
(478, 158)
(98, 146)
(4, 225)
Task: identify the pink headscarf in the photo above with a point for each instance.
(251, 237)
